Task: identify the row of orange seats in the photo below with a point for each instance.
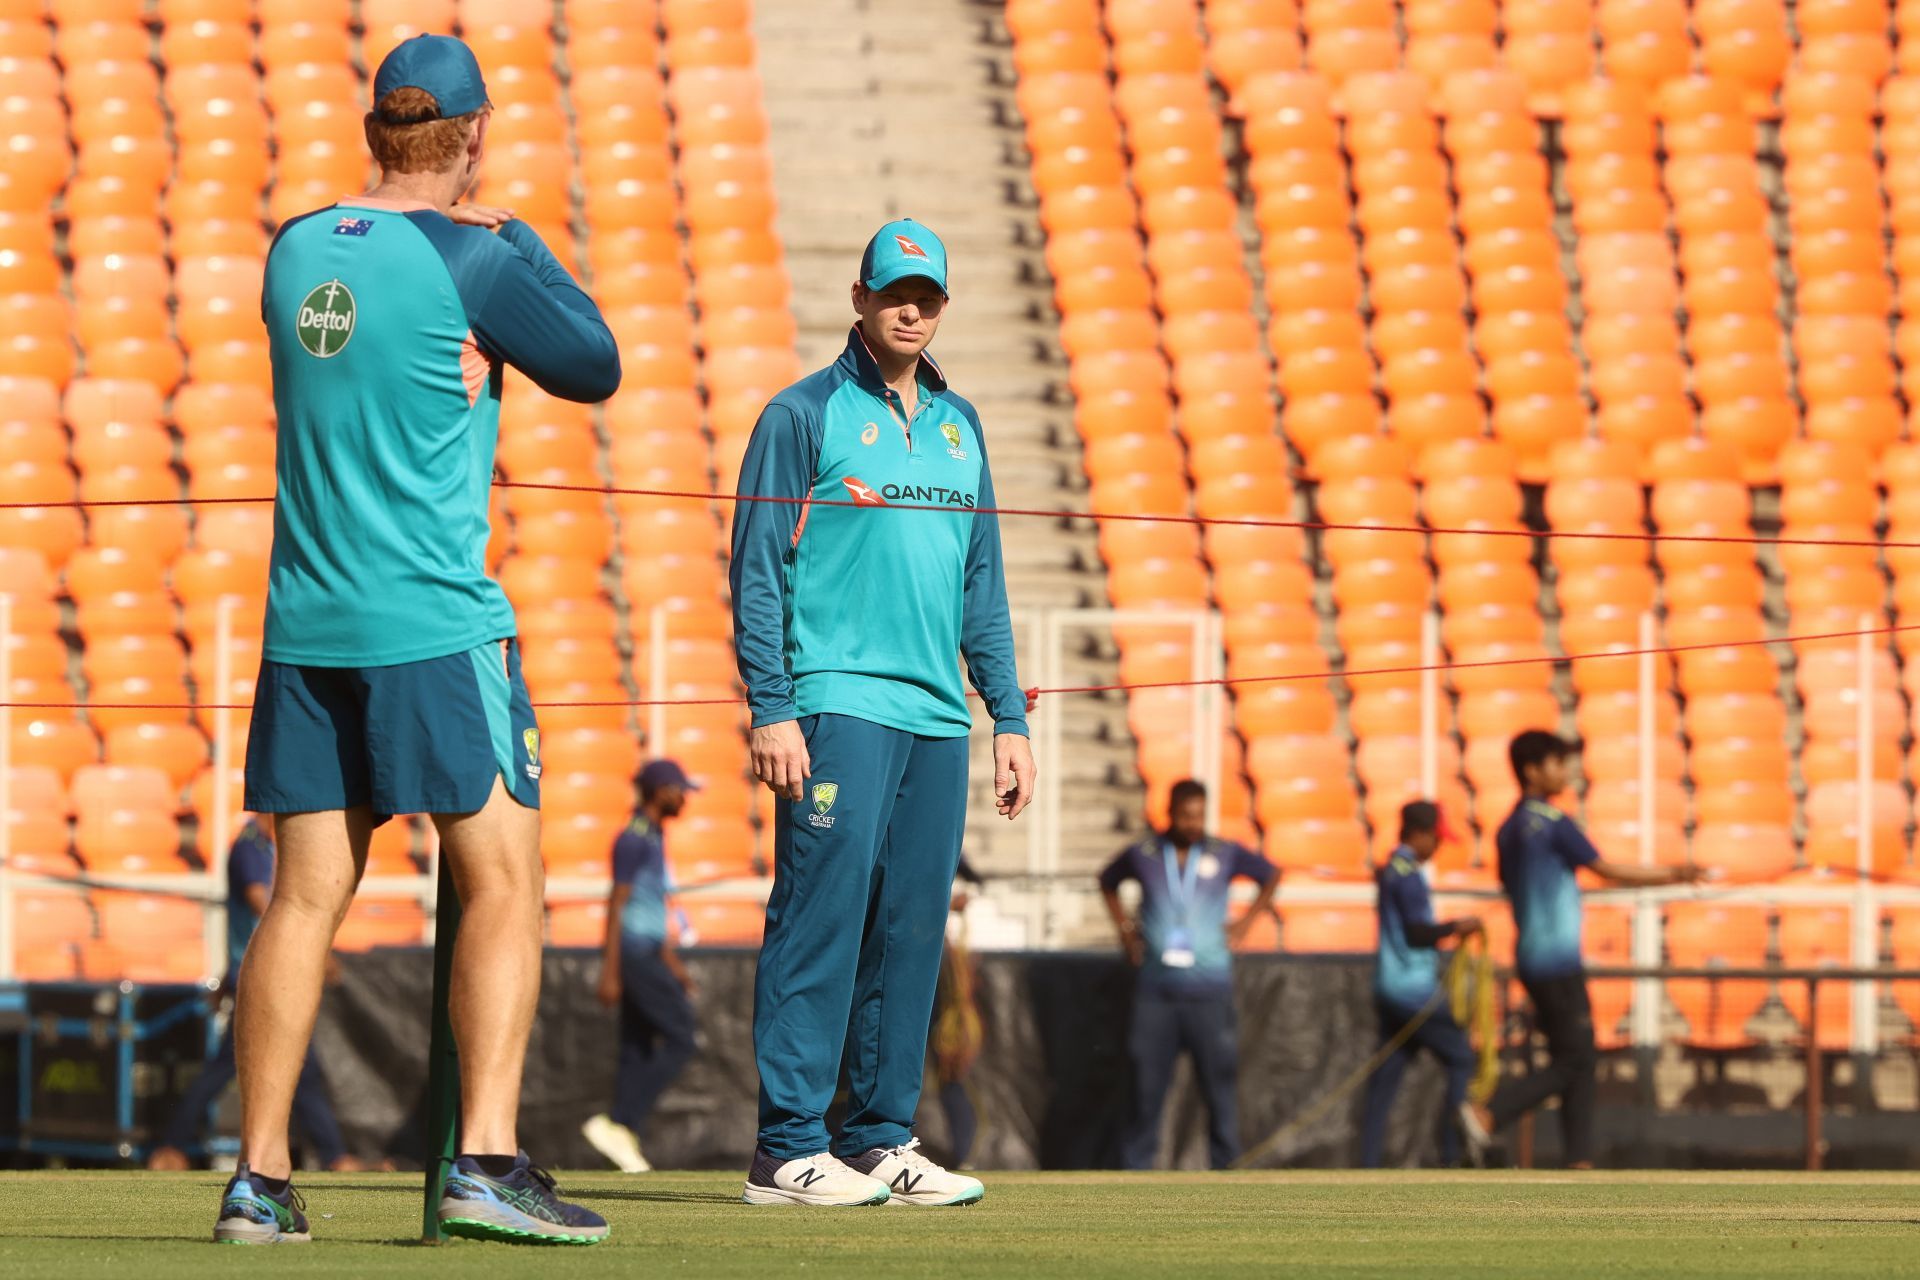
(63, 936)
(1549, 43)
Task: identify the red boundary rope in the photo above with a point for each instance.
(1227, 681)
(1232, 521)
(1238, 522)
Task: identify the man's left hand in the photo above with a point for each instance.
(1237, 931)
(479, 215)
(1013, 773)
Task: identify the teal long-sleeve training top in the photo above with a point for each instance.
(389, 327)
(858, 610)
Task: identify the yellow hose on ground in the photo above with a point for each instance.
(1468, 986)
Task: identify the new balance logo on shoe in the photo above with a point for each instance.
(807, 1177)
(904, 1181)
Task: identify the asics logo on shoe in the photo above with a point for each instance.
(905, 1181)
(807, 1177)
(255, 1211)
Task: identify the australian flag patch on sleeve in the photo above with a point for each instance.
(353, 226)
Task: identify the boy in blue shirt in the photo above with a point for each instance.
(1540, 849)
(641, 973)
(1183, 1001)
(1407, 978)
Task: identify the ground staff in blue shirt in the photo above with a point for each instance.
(1407, 978)
(1183, 1001)
(640, 971)
(249, 884)
(1540, 849)
(850, 625)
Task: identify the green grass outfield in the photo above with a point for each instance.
(137, 1226)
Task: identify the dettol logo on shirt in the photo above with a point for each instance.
(326, 316)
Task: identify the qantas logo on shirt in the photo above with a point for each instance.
(909, 248)
(862, 493)
(926, 493)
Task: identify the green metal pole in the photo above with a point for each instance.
(443, 1062)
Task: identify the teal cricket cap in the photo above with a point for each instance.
(439, 65)
(901, 249)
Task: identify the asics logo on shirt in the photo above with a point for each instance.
(862, 493)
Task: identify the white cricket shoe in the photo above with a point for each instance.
(1474, 1127)
(816, 1180)
(914, 1179)
(619, 1144)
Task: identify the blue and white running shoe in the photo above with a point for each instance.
(519, 1207)
(250, 1214)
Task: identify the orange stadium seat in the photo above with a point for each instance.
(1712, 935)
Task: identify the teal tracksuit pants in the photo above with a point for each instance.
(863, 872)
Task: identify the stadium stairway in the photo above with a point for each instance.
(946, 148)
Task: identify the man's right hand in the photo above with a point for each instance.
(609, 988)
(1136, 949)
(1467, 926)
(779, 754)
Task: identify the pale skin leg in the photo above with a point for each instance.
(319, 862)
(495, 859)
(494, 856)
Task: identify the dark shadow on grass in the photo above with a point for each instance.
(663, 1197)
(109, 1235)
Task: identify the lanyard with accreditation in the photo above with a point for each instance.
(1181, 891)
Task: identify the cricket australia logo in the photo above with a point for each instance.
(824, 794)
(325, 322)
(532, 738)
(951, 430)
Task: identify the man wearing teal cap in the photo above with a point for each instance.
(850, 622)
(390, 674)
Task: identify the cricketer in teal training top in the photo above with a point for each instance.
(390, 674)
(850, 621)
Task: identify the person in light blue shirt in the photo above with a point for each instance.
(1540, 849)
(1182, 946)
(641, 973)
(1406, 984)
(866, 568)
